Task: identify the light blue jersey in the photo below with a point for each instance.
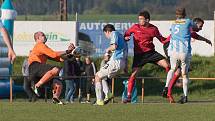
(180, 36)
(121, 51)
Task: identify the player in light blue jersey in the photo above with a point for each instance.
(118, 48)
(179, 49)
(180, 36)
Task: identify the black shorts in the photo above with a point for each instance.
(140, 60)
(38, 70)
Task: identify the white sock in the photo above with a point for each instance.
(169, 77)
(105, 86)
(98, 90)
(185, 86)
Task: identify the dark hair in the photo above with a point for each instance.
(197, 20)
(145, 14)
(108, 27)
(180, 12)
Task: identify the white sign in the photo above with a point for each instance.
(59, 34)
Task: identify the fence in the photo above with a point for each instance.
(113, 83)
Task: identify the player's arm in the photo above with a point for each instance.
(71, 47)
(111, 48)
(159, 36)
(200, 38)
(128, 33)
(6, 38)
(57, 55)
(113, 43)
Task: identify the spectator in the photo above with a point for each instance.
(80, 82)
(90, 71)
(69, 70)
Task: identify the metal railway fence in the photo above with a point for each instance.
(112, 85)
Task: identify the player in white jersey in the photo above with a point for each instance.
(179, 49)
(118, 48)
(6, 39)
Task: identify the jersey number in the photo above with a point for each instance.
(176, 29)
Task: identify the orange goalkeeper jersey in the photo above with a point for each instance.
(41, 52)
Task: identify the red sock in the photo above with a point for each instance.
(172, 83)
(167, 69)
(131, 82)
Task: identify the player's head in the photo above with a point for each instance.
(143, 17)
(180, 12)
(40, 37)
(108, 29)
(198, 24)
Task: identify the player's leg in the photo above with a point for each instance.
(175, 77)
(131, 82)
(185, 63)
(98, 89)
(47, 76)
(109, 70)
(161, 61)
(56, 90)
(173, 63)
(138, 61)
(46, 72)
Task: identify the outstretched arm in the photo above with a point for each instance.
(6, 38)
(200, 38)
(56, 55)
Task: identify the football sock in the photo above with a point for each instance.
(105, 86)
(169, 77)
(172, 83)
(98, 89)
(167, 69)
(185, 86)
(131, 82)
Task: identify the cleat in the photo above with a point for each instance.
(99, 103)
(88, 101)
(128, 100)
(108, 98)
(183, 100)
(36, 91)
(164, 92)
(57, 101)
(171, 99)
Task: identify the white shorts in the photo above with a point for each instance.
(181, 59)
(111, 68)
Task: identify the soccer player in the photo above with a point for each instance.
(179, 49)
(118, 48)
(38, 69)
(199, 24)
(144, 49)
(6, 39)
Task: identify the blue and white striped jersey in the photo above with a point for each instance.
(180, 36)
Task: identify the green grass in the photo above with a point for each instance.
(22, 111)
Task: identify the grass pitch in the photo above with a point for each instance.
(41, 111)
